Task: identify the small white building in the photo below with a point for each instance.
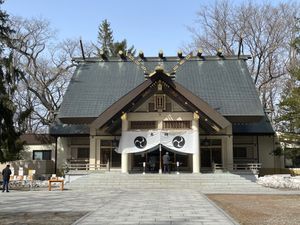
(38, 156)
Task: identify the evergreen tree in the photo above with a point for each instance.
(10, 145)
(107, 44)
(290, 105)
(122, 46)
(289, 119)
(105, 37)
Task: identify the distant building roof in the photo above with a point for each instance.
(37, 139)
(224, 83)
(59, 129)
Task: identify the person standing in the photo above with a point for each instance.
(166, 162)
(152, 162)
(6, 172)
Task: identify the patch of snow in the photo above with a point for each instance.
(280, 181)
(17, 184)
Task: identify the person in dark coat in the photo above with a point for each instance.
(166, 162)
(6, 172)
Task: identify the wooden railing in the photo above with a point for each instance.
(253, 167)
(85, 167)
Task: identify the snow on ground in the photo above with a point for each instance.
(14, 184)
(280, 181)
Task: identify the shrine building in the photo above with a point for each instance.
(123, 112)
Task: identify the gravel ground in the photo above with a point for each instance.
(261, 209)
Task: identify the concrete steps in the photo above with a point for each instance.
(207, 183)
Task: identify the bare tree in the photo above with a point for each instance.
(47, 67)
(263, 31)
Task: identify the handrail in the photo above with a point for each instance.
(86, 166)
(237, 166)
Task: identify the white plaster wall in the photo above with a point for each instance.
(79, 141)
(63, 151)
(28, 149)
(27, 162)
(266, 146)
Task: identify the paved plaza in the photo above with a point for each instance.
(121, 206)
(117, 199)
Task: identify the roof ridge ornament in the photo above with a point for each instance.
(159, 67)
(138, 63)
(180, 63)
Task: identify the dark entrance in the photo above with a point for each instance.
(108, 154)
(211, 152)
(210, 156)
(153, 160)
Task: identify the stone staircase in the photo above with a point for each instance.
(206, 183)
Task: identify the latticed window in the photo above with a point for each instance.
(142, 125)
(160, 102)
(177, 124)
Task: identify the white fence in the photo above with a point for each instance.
(85, 167)
(238, 167)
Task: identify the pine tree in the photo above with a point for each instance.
(10, 145)
(290, 105)
(289, 120)
(122, 46)
(107, 44)
(105, 37)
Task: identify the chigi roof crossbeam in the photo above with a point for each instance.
(159, 67)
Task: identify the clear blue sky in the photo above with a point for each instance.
(149, 25)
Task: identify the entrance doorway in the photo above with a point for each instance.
(108, 154)
(211, 152)
(210, 156)
(153, 160)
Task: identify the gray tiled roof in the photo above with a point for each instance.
(60, 129)
(262, 127)
(225, 84)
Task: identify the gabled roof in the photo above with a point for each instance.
(224, 83)
(217, 121)
(117, 106)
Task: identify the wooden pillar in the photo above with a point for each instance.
(55, 161)
(196, 156)
(92, 149)
(229, 148)
(124, 157)
(160, 160)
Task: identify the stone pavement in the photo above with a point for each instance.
(158, 207)
(117, 206)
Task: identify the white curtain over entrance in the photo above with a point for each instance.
(184, 141)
